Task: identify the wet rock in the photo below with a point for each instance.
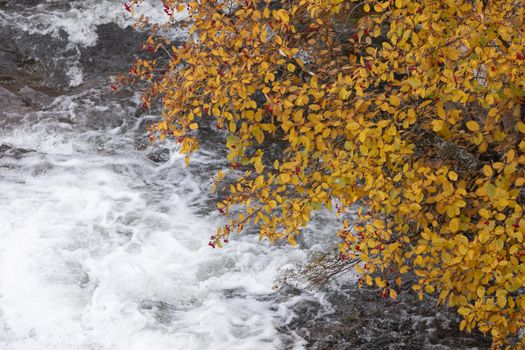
(34, 98)
(24, 5)
(7, 96)
(9, 102)
(141, 145)
(38, 57)
(360, 319)
(7, 62)
(13, 152)
(215, 268)
(111, 54)
(161, 311)
(161, 155)
(20, 3)
(235, 293)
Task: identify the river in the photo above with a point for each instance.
(103, 236)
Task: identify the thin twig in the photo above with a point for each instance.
(348, 18)
(166, 50)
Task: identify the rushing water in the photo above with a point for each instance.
(103, 237)
(100, 247)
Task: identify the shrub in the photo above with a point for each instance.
(411, 110)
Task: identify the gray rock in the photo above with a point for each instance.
(23, 3)
(160, 155)
(360, 319)
(9, 102)
(13, 152)
(161, 311)
(44, 58)
(34, 98)
(7, 62)
(111, 53)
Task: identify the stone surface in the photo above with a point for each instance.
(161, 155)
(34, 98)
(360, 319)
(14, 152)
(10, 102)
(113, 51)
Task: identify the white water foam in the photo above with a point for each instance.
(82, 19)
(102, 249)
(107, 250)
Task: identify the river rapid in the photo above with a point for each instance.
(103, 236)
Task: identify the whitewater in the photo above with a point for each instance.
(102, 248)
(103, 236)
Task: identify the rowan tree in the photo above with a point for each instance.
(412, 111)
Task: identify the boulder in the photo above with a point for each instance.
(10, 102)
(34, 98)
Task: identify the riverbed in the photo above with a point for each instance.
(103, 236)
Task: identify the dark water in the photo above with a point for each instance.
(103, 236)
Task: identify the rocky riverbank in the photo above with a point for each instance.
(124, 247)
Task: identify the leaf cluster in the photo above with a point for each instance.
(415, 110)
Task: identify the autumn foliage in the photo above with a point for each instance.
(411, 111)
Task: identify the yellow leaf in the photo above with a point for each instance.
(487, 170)
(259, 167)
(291, 67)
(472, 125)
(480, 292)
(411, 115)
(438, 125)
(379, 224)
(494, 332)
(452, 176)
(394, 100)
(453, 225)
(378, 8)
(463, 311)
(369, 280)
(163, 125)
(502, 301)
(366, 8)
(380, 282)
(284, 178)
(441, 113)
(194, 126)
(393, 294)
(232, 126)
